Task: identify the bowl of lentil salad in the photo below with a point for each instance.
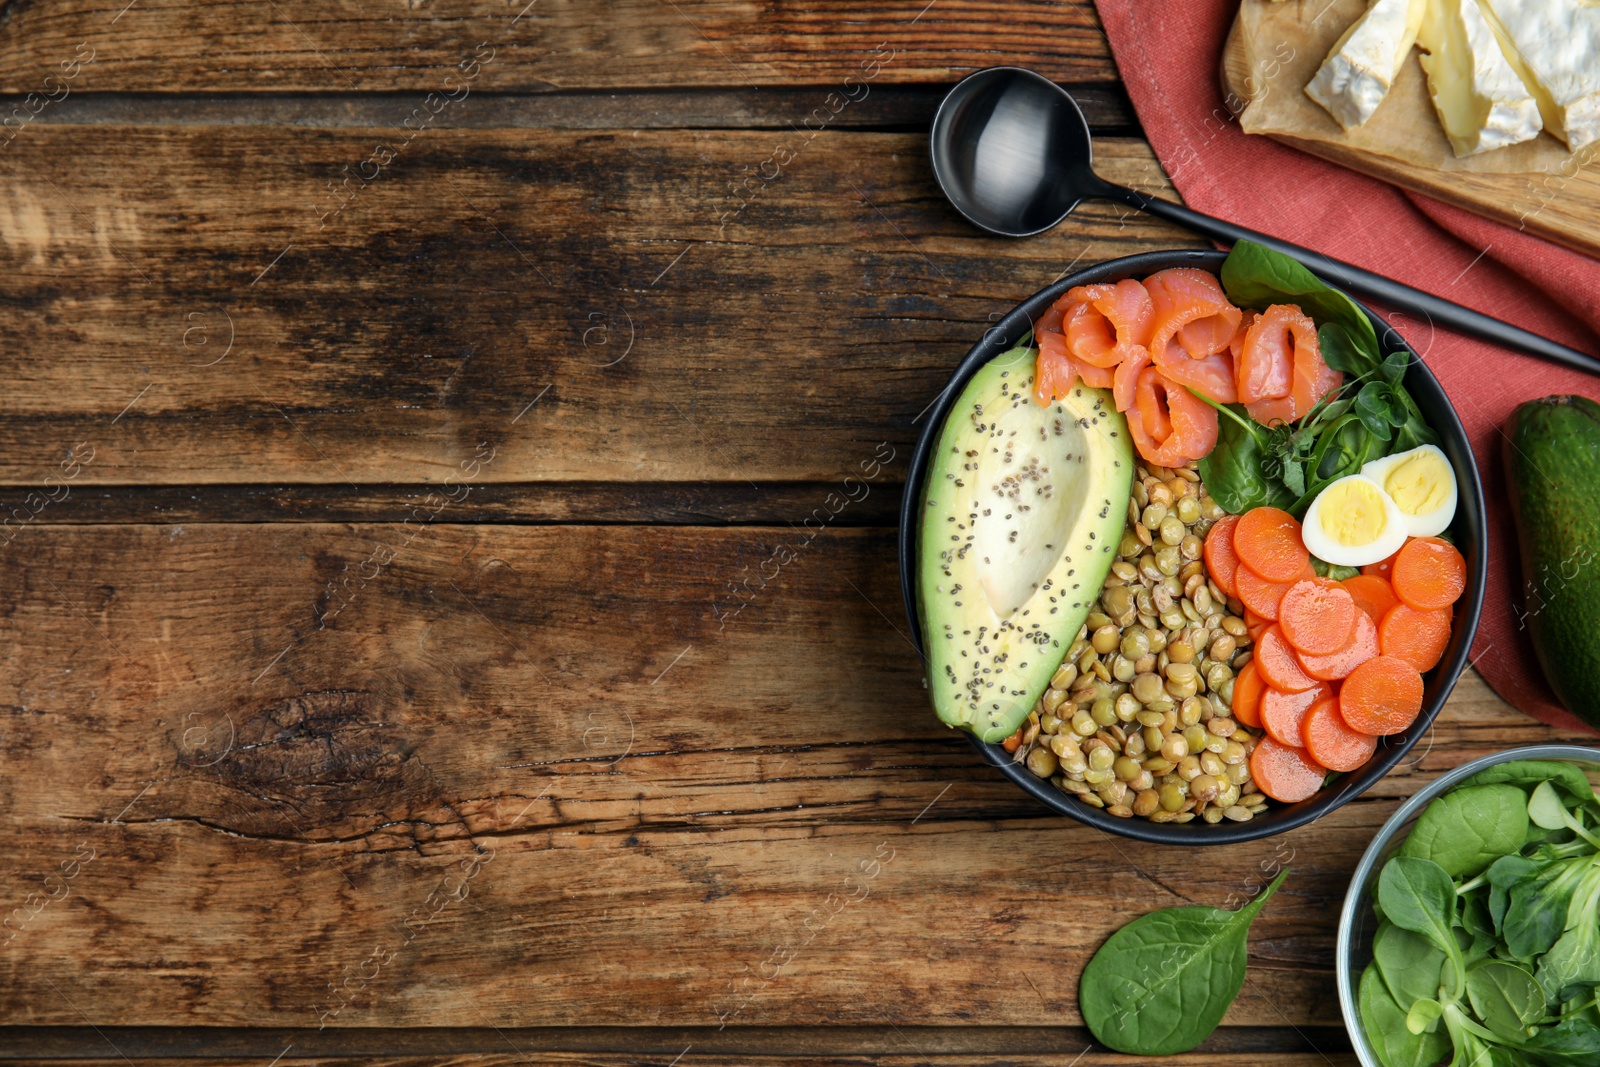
(1104, 725)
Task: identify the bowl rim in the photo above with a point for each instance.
(1394, 824)
(1001, 337)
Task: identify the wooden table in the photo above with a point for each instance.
(404, 405)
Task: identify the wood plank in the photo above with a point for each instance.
(344, 45)
(655, 806)
(902, 108)
(539, 503)
(1093, 1058)
(954, 1046)
(595, 306)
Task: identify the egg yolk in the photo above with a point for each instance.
(1353, 512)
(1419, 484)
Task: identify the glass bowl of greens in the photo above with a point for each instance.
(1471, 930)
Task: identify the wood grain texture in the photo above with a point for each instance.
(1093, 1058)
(344, 45)
(898, 108)
(954, 1046)
(283, 745)
(195, 306)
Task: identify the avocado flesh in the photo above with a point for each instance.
(1022, 514)
(1552, 460)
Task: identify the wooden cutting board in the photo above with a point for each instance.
(1275, 48)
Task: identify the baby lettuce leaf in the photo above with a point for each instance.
(1383, 1020)
(1254, 276)
(1160, 985)
(1536, 914)
(1469, 828)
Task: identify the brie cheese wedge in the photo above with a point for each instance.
(1481, 101)
(1356, 76)
(1555, 46)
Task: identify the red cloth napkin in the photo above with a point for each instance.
(1169, 56)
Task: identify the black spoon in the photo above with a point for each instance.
(1012, 152)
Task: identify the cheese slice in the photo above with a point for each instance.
(1481, 101)
(1358, 71)
(1554, 45)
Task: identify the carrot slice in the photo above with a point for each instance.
(1317, 616)
(1221, 562)
(1284, 773)
(1372, 594)
(1382, 696)
(1282, 714)
(1363, 646)
(1267, 540)
(1331, 742)
(1381, 569)
(1418, 637)
(1279, 666)
(1428, 573)
(1262, 596)
(1247, 688)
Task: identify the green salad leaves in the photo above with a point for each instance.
(1370, 417)
(1162, 983)
(1487, 952)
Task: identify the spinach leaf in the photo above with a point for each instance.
(1502, 874)
(1160, 985)
(1255, 276)
(1477, 927)
(1383, 1021)
(1505, 996)
(1234, 471)
(1469, 828)
(1409, 964)
(1569, 1043)
(1417, 895)
(1567, 778)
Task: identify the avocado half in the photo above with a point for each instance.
(1022, 514)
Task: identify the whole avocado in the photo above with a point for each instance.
(1552, 463)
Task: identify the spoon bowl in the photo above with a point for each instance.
(1012, 151)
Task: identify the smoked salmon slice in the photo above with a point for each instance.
(1055, 371)
(1127, 378)
(1104, 322)
(1278, 366)
(1190, 306)
(1170, 425)
(1211, 376)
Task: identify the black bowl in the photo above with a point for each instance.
(1468, 530)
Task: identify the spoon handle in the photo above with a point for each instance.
(1364, 283)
